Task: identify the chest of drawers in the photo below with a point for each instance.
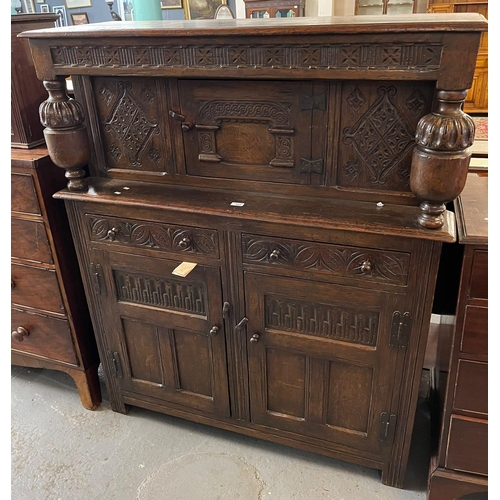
(51, 326)
(279, 159)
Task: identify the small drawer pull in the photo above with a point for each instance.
(214, 330)
(112, 233)
(254, 338)
(366, 267)
(274, 256)
(19, 334)
(12, 284)
(185, 243)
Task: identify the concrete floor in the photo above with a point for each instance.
(60, 451)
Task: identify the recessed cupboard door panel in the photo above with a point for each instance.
(167, 331)
(259, 131)
(320, 360)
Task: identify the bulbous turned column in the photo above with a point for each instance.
(65, 134)
(441, 157)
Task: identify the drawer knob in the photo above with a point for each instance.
(185, 243)
(186, 126)
(254, 338)
(214, 330)
(19, 334)
(112, 233)
(12, 284)
(366, 267)
(274, 255)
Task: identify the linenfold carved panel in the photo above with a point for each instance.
(309, 56)
(377, 130)
(159, 292)
(153, 235)
(383, 266)
(130, 117)
(321, 320)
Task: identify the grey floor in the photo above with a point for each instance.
(60, 451)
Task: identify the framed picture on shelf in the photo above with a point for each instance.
(60, 10)
(28, 7)
(201, 9)
(44, 8)
(79, 18)
(77, 4)
(171, 4)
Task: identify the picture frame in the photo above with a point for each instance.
(205, 9)
(171, 4)
(61, 11)
(28, 7)
(78, 4)
(79, 18)
(44, 8)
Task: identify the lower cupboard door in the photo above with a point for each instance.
(320, 361)
(168, 331)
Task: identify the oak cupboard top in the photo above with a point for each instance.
(295, 26)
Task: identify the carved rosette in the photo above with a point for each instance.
(65, 134)
(441, 157)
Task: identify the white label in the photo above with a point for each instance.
(237, 204)
(184, 269)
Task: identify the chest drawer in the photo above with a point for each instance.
(37, 288)
(471, 388)
(29, 241)
(23, 195)
(152, 235)
(326, 259)
(475, 331)
(467, 449)
(46, 337)
(478, 285)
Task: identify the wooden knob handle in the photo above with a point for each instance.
(112, 233)
(12, 284)
(366, 267)
(185, 243)
(255, 338)
(19, 334)
(214, 330)
(274, 255)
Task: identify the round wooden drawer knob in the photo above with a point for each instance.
(366, 267)
(20, 334)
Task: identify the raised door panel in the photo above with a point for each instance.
(259, 131)
(320, 360)
(168, 329)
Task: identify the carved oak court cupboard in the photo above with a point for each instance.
(287, 159)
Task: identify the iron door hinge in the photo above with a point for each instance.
(400, 329)
(115, 365)
(387, 426)
(97, 279)
(317, 102)
(311, 166)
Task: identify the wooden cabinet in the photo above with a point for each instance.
(27, 92)
(51, 326)
(262, 9)
(477, 98)
(460, 466)
(275, 168)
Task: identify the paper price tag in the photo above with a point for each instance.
(184, 269)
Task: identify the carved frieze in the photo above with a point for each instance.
(321, 320)
(159, 292)
(153, 235)
(308, 56)
(343, 261)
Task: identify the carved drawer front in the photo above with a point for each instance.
(326, 259)
(471, 388)
(29, 241)
(166, 330)
(478, 284)
(23, 195)
(42, 336)
(320, 359)
(475, 331)
(153, 235)
(37, 288)
(250, 130)
(377, 123)
(467, 447)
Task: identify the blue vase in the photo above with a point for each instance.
(146, 10)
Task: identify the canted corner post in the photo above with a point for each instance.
(65, 134)
(441, 157)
